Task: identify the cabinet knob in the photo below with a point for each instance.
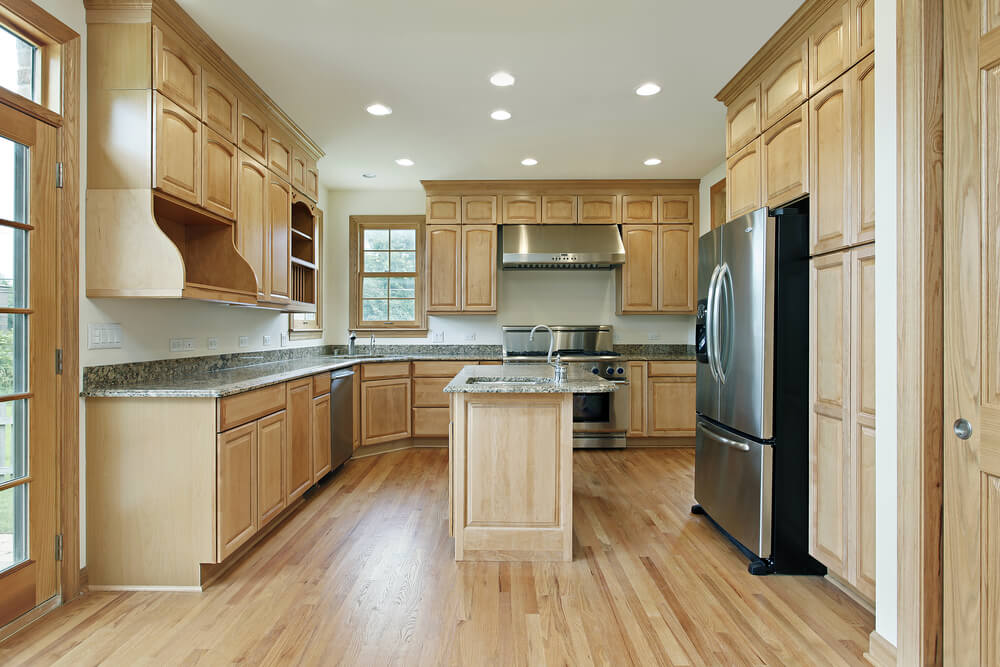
(963, 429)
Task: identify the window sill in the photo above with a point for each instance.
(391, 333)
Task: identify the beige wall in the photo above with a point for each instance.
(705, 195)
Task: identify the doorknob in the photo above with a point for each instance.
(963, 429)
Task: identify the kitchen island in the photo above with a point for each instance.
(511, 461)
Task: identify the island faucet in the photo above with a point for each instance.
(559, 366)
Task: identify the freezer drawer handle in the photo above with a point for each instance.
(718, 437)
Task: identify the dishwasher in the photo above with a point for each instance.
(341, 416)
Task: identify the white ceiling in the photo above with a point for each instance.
(576, 63)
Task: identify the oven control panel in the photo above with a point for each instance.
(609, 370)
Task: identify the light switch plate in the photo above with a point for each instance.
(470, 338)
(653, 336)
(437, 337)
(104, 336)
(284, 339)
(267, 340)
(213, 343)
(244, 341)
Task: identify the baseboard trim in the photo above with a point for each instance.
(880, 652)
(29, 617)
(160, 589)
(675, 442)
(851, 592)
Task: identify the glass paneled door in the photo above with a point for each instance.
(28, 323)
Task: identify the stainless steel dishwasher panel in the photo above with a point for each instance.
(341, 416)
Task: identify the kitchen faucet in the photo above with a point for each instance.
(560, 367)
(371, 344)
(350, 342)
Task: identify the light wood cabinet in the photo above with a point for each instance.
(671, 403)
(428, 392)
(430, 422)
(279, 204)
(638, 277)
(479, 268)
(784, 86)
(177, 148)
(676, 269)
(219, 104)
(236, 462)
(176, 70)
(743, 181)
(444, 268)
(279, 152)
(321, 462)
(862, 83)
(639, 209)
(862, 28)
(785, 158)
(830, 167)
(303, 168)
(598, 210)
(479, 210)
(637, 399)
(382, 371)
(522, 210)
(252, 130)
(220, 174)
(830, 46)
(559, 210)
(385, 410)
(444, 210)
(251, 218)
(271, 445)
(743, 119)
(677, 209)
(298, 454)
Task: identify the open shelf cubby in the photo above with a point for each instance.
(304, 252)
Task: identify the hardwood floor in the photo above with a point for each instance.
(364, 574)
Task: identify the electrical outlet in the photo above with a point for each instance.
(267, 340)
(104, 336)
(653, 336)
(284, 339)
(176, 344)
(437, 337)
(188, 344)
(470, 338)
(244, 341)
(213, 343)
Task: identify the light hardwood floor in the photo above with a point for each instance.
(364, 574)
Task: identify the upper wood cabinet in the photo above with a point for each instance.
(220, 174)
(279, 152)
(479, 210)
(252, 130)
(299, 452)
(785, 85)
(676, 291)
(862, 28)
(830, 167)
(461, 268)
(638, 277)
(177, 149)
(522, 210)
(479, 268)
(312, 180)
(444, 211)
(743, 119)
(444, 268)
(219, 107)
(236, 490)
(176, 70)
(252, 218)
(743, 181)
(639, 209)
(677, 209)
(830, 46)
(279, 204)
(305, 177)
(598, 210)
(559, 210)
(272, 440)
(863, 152)
(785, 155)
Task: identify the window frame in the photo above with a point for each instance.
(414, 328)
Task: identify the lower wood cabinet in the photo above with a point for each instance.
(661, 399)
(321, 461)
(385, 410)
(637, 399)
(659, 271)
(272, 438)
(236, 465)
(299, 454)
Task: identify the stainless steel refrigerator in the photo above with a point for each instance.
(752, 343)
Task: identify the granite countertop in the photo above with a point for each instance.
(522, 379)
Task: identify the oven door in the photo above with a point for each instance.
(601, 420)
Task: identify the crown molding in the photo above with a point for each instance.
(639, 186)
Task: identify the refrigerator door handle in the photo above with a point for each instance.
(710, 321)
(715, 342)
(722, 439)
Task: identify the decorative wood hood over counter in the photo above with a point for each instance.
(199, 185)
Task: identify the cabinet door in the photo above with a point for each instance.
(743, 181)
(479, 210)
(829, 167)
(251, 218)
(321, 437)
(299, 453)
(829, 46)
(785, 85)
(862, 505)
(671, 406)
(598, 210)
(639, 210)
(829, 387)
(638, 276)
(676, 269)
(272, 437)
(479, 268)
(252, 128)
(176, 70)
(430, 422)
(678, 209)
(444, 210)
(522, 210)
(279, 152)
(312, 180)
(863, 150)
(444, 268)
(219, 174)
(428, 392)
(743, 119)
(236, 488)
(862, 28)
(279, 203)
(385, 410)
(559, 210)
(219, 105)
(299, 164)
(177, 148)
(785, 155)
(637, 399)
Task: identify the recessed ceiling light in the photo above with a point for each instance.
(369, 175)
(378, 109)
(404, 162)
(500, 114)
(652, 162)
(502, 79)
(529, 162)
(647, 89)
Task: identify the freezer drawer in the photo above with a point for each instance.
(733, 483)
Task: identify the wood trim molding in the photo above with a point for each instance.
(919, 219)
(562, 187)
(36, 21)
(880, 652)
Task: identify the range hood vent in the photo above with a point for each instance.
(562, 247)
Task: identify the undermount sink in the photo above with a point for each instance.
(511, 380)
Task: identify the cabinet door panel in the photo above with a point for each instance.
(559, 210)
(444, 267)
(321, 437)
(252, 127)
(479, 210)
(271, 444)
(828, 491)
(298, 458)
(236, 491)
(862, 28)
(385, 410)
(219, 105)
(677, 209)
(743, 119)
(639, 273)
(785, 84)
(639, 209)
(829, 47)
(829, 168)
(430, 422)
(251, 218)
(676, 269)
(312, 180)
(598, 210)
(863, 150)
(220, 174)
(429, 392)
(176, 70)
(637, 399)
(279, 203)
(300, 164)
(177, 146)
(522, 210)
(671, 405)
(279, 153)
(479, 268)
(863, 331)
(864, 510)
(785, 150)
(743, 181)
(444, 210)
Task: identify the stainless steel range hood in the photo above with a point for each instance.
(562, 247)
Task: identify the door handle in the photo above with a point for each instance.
(716, 328)
(710, 321)
(720, 438)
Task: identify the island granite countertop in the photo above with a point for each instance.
(526, 379)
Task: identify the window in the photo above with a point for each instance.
(19, 65)
(387, 274)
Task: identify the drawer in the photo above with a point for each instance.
(396, 369)
(430, 422)
(321, 384)
(432, 369)
(671, 368)
(429, 392)
(250, 405)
